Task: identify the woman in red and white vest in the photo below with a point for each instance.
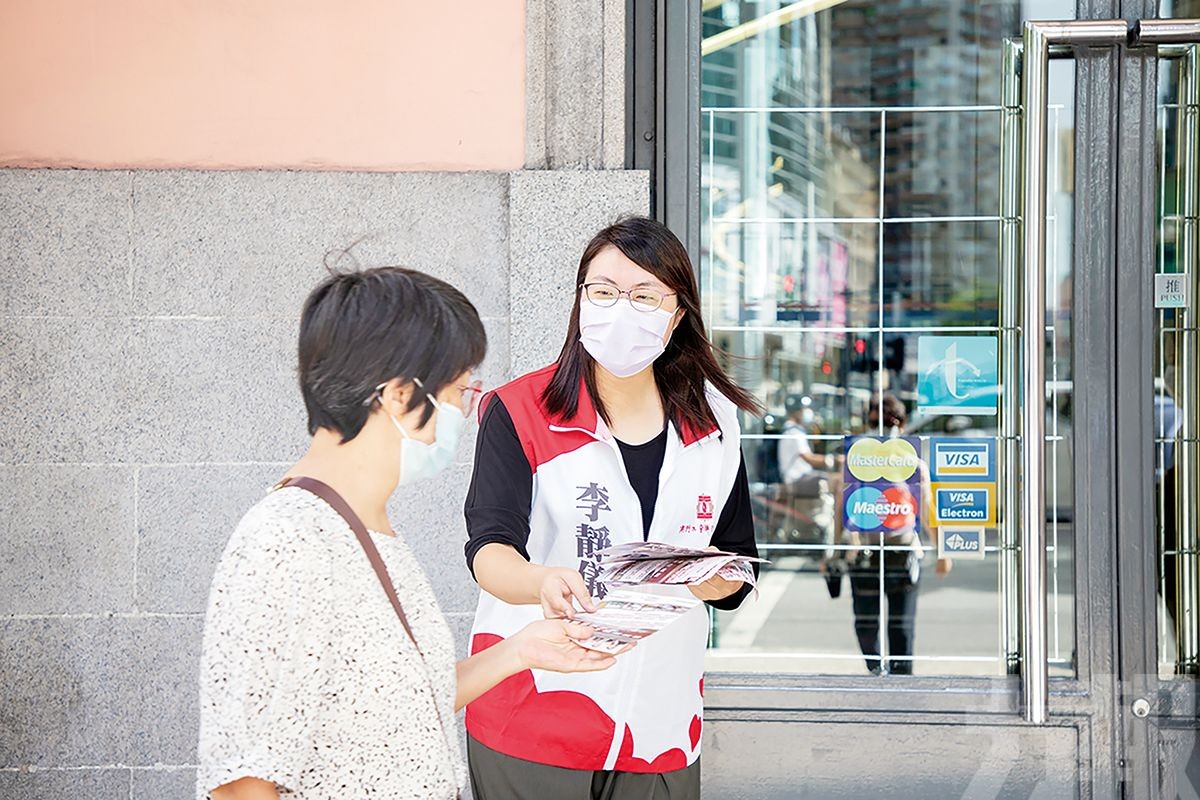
(631, 436)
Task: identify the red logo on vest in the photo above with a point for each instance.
(704, 507)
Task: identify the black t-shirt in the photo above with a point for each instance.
(643, 463)
(501, 494)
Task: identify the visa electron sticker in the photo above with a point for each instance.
(879, 509)
(961, 543)
(963, 459)
(964, 504)
(870, 459)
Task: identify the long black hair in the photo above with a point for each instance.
(688, 362)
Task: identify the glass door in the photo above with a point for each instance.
(870, 213)
(853, 248)
(1175, 376)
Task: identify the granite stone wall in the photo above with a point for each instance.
(147, 325)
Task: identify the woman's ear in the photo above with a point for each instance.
(395, 396)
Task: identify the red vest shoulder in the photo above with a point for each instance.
(523, 400)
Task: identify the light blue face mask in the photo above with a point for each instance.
(419, 460)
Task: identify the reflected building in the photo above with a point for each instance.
(792, 184)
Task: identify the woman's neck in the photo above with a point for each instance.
(364, 471)
(633, 404)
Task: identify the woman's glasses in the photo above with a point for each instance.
(470, 397)
(467, 403)
(606, 295)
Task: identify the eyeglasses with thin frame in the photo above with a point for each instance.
(606, 295)
(467, 403)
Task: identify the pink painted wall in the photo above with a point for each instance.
(232, 84)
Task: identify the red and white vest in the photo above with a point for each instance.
(645, 713)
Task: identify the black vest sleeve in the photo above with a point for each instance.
(735, 533)
(501, 492)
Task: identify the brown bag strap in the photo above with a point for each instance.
(335, 501)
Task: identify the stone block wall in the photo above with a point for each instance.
(147, 327)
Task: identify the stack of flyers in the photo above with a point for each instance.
(658, 562)
(627, 615)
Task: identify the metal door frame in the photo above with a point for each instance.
(1114, 219)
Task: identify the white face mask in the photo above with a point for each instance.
(419, 460)
(622, 339)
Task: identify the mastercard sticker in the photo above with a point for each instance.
(870, 459)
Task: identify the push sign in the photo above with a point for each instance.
(1171, 290)
(961, 543)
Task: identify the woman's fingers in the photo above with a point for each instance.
(715, 588)
(577, 630)
(601, 662)
(561, 590)
(556, 605)
(551, 611)
(576, 586)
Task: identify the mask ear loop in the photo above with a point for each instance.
(378, 395)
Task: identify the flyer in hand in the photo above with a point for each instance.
(658, 562)
(627, 615)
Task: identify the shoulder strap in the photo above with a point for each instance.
(335, 501)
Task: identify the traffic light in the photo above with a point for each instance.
(893, 357)
(862, 356)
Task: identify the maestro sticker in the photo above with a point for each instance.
(870, 459)
(871, 509)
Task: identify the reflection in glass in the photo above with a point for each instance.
(1174, 401)
(850, 204)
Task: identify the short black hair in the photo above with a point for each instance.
(364, 328)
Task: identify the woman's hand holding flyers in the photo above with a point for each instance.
(716, 587)
(550, 644)
(560, 587)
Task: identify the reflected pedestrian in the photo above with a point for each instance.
(887, 566)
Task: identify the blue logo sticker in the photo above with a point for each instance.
(964, 504)
(957, 375)
(963, 460)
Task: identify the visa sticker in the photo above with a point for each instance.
(963, 459)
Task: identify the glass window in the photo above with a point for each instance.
(851, 254)
(1178, 247)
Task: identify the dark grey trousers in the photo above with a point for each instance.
(495, 776)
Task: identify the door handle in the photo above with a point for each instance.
(1164, 31)
(1038, 41)
(1039, 37)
